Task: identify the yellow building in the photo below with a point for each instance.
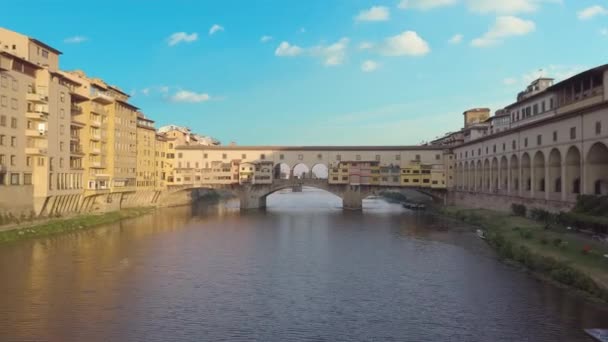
(34, 126)
(338, 174)
(162, 166)
(146, 154)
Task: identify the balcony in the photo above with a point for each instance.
(36, 97)
(95, 123)
(37, 151)
(102, 98)
(99, 110)
(95, 164)
(36, 115)
(77, 124)
(76, 150)
(35, 133)
(95, 136)
(76, 109)
(95, 150)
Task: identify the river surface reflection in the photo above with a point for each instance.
(303, 270)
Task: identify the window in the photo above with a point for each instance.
(535, 108)
(338, 157)
(61, 146)
(438, 157)
(319, 156)
(539, 139)
(543, 107)
(13, 122)
(598, 127)
(2, 159)
(13, 160)
(377, 157)
(573, 133)
(281, 156)
(262, 156)
(494, 149)
(224, 156)
(15, 85)
(358, 157)
(2, 136)
(28, 161)
(205, 156)
(61, 113)
(62, 97)
(300, 157)
(243, 156)
(551, 103)
(13, 141)
(3, 101)
(14, 104)
(45, 53)
(3, 120)
(554, 136)
(504, 147)
(418, 157)
(27, 179)
(14, 179)
(398, 157)
(526, 142)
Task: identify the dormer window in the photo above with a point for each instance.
(45, 54)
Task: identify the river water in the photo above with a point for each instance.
(303, 270)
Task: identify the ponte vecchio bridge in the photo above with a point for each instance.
(350, 172)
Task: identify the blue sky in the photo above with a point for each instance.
(328, 72)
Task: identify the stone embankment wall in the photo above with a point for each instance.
(499, 202)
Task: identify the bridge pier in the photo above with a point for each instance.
(352, 199)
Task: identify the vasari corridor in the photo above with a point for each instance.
(322, 170)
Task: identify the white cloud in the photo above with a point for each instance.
(504, 27)
(509, 81)
(179, 37)
(456, 39)
(333, 54)
(265, 39)
(505, 6)
(215, 28)
(287, 50)
(604, 32)
(75, 40)
(146, 91)
(369, 66)
(424, 4)
(190, 97)
(408, 43)
(365, 45)
(593, 11)
(164, 89)
(375, 13)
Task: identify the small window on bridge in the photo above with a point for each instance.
(204, 155)
(300, 157)
(281, 156)
(358, 157)
(338, 157)
(438, 156)
(319, 156)
(243, 156)
(224, 156)
(262, 156)
(398, 157)
(377, 157)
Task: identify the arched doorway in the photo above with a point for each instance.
(573, 173)
(504, 174)
(596, 165)
(526, 175)
(514, 174)
(320, 171)
(301, 171)
(555, 175)
(486, 175)
(539, 175)
(479, 176)
(495, 176)
(282, 171)
(459, 181)
(465, 176)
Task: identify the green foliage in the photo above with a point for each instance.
(541, 215)
(584, 221)
(57, 226)
(592, 205)
(519, 209)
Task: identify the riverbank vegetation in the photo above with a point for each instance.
(543, 245)
(64, 225)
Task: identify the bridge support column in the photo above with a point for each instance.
(352, 198)
(251, 200)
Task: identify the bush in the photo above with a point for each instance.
(519, 209)
(526, 234)
(598, 223)
(541, 215)
(557, 242)
(544, 241)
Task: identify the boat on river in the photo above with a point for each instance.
(414, 206)
(600, 335)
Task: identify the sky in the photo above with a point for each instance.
(319, 72)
